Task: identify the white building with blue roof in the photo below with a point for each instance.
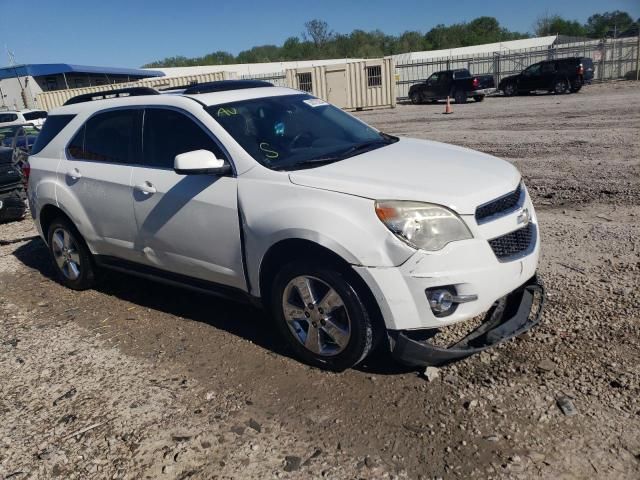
(21, 84)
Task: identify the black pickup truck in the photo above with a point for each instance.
(458, 84)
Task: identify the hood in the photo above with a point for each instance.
(417, 170)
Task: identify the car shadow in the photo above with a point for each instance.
(243, 320)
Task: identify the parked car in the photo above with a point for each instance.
(12, 195)
(562, 75)
(347, 235)
(457, 84)
(20, 117)
(18, 135)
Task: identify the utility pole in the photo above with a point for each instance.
(638, 54)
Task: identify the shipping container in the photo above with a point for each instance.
(352, 86)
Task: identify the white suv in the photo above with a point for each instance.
(22, 117)
(349, 236)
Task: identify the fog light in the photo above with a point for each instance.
(441, 301)
(444, 300)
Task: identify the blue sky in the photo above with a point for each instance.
(131, 33)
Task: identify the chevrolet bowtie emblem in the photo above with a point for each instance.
(524, 217)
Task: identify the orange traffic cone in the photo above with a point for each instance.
(447, 108)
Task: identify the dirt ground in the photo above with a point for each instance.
(140, 380)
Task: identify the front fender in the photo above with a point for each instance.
(345, 224)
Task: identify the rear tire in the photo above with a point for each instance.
(71, 258)
(321, 314)
(460, 96)
(13, 207)
(560, 87)
(478, 98)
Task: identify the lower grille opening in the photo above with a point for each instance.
(513, 243)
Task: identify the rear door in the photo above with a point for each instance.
(187, 224)
(97, 173)
(548, 74)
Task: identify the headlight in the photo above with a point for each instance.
(422, 225)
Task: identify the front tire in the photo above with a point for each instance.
(72, 260)
(509, 90)
(321, 314)
(478, 98)
(415, 98)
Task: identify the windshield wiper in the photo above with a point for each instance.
(349, 152)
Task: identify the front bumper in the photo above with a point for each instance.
(509, 317)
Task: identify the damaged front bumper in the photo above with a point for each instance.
(509, 317)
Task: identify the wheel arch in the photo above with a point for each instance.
(291, 249)
(48, 213)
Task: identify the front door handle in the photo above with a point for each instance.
(74, 174)
(146, 188)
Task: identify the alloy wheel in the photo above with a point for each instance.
(65, 253)
(316, 315)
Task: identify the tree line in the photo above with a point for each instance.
(318, 41)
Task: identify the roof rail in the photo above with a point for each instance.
(107, 94)
(225, 85)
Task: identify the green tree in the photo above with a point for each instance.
(555, 24)
(608, 23)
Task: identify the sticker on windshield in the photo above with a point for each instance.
(266, 148)
(315, 102)
(227, 112)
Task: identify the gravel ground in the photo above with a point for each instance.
(139, 380)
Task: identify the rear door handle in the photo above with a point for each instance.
(74, 174)
(146, 188)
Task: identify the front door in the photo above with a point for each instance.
(187, 224)
(531, 78)
(96, 173)
(337, 87)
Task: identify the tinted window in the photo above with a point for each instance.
(52, 127)
(34, 115)
(8, 117)
(168, 133)
(109, 137)
(548, 67)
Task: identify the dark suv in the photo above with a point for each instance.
(558, 76)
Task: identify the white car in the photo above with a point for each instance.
(349, 236)
(22, 117)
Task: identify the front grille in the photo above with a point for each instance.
(513, 243)
(500, 206)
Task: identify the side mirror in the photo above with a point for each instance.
(200, 162)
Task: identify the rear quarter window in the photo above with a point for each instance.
(34, 115)
(52, 127)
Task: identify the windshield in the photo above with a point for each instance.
(7, 133)
(296, 131)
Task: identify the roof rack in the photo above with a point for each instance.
(225, 85)
(107, 94)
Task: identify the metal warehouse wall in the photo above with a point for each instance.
(357, 92)
(50, 100)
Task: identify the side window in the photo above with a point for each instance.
(109, 137)
(8, 117)
(549, 67)
(168, 133)
(35, 115)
